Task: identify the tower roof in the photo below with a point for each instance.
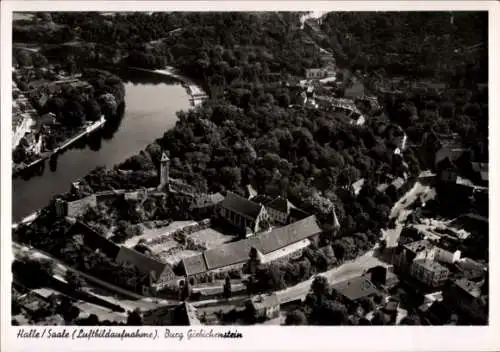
(164, 157)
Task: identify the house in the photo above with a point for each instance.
(471, 269)
(156, 273)
(447, 172)
(436, 147)
(444, 256)
(430, 273)
(467, 297)
(21, 124)
(242, 213)
(418, 259)
(319, 73)
(357, 186)
(276, 244)
(265, 306)
(405, 254)
(436, 312)
(207, 203)
(280, 210)
(448, 147)
(481, 169)
(355, 288)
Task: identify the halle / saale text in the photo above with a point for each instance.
(36, 334)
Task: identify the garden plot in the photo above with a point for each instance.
(156, 233)
(210, 238)
(174, 255)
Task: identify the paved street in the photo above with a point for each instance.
(345, 271)
(100, 288)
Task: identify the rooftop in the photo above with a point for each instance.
(195, 264)
(430, 265)
(265, 301)
(144, 263)
(203, 200)
(418, 246)
(281, 204)
(355, 288)
(238, 252)
(241, 205)
(469, 287)
(261, 199)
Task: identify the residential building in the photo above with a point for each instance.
(471, 269)
(242, 213)
(276, 244)
(444, 256)
(21, 125)
(466, 297)
(266, 306)
(355, 288)
(319, 73)
(407, 253)
(418, 259)
(156, 273)
(280, 210)
(481, 170)
(429, 272)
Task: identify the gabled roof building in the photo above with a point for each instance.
(271, 245)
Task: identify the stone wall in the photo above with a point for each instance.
(78, 207)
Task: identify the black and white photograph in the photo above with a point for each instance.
(248, 168)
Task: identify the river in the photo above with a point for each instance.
(151, 103)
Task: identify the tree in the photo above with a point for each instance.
(411, 319)
(186, 290)
(227, 287)
(270, 278)
(320, 286)
(253, 261)
(75, 281)
(92, 110)
(134, 317)
(296, 317)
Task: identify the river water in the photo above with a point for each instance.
(151, 103)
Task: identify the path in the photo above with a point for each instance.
(343, 272)
(400, 211)
(134, 300)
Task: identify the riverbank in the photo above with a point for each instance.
(196, 93)
(87, 130)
